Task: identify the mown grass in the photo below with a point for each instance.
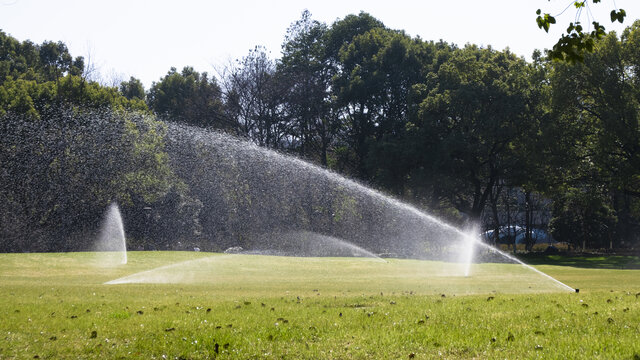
(56, 306)
(590, 261)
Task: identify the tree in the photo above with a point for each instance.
(531, 176)
(56, 185)
(378, 70)
(473, 112)
(48, 61)
(36, 78)
(598, 112)
(12, 59)
(254, 99)
(583, 218)
(56, 61)
(71, 146)
(132, 89)
(342, 32)
(307, 77)
(189, 97)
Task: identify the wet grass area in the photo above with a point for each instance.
(60, 308)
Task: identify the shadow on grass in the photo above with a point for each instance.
(584, 260)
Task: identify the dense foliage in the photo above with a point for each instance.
(71, 146)
(473, 134)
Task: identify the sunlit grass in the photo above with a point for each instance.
(57, 306)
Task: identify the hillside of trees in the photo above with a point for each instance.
(472, 134)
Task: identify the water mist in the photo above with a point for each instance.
(111, 244)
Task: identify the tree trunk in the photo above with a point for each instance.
(494, 197)
(584, 233)
(527, 220)
(510, 238)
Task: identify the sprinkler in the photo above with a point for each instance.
(577, 290)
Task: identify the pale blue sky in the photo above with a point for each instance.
(145, 38)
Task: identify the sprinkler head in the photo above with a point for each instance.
(577, 290)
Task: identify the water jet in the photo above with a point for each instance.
(111, 244)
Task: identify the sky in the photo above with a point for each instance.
(145, 39)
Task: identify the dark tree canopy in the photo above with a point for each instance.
(190, 97)
(132, 89)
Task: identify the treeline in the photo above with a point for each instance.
(69, 146)
(473, 134)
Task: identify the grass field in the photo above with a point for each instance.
(220, 306)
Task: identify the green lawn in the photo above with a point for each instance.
(239, 306)
(586, 261)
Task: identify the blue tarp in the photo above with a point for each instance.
(540, 236)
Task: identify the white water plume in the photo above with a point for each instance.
(467, 253)
(111, 244)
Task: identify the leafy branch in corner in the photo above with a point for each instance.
(572, 45)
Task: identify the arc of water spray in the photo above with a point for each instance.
(471, 239)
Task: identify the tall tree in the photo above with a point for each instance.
(597, 105)
(254, 99)
(377, 72)
(342, 32)
(472, 113)
(56, 61)
(307, 77)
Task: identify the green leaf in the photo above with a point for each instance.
(598, 30)
(618, 15)
(540, 22)
(545, 21)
